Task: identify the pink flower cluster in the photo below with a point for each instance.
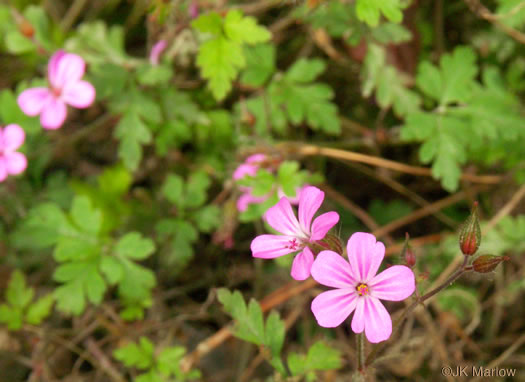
(249, 168)
(65, 72)
(358, 286)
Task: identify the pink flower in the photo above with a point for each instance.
(11, 161)
(296, 235)
(359, 288)
(156, 51)
(65, 71)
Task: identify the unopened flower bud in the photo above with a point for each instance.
(332, 243)
(470, 233)
(487, 263)
(26, 29)
(407, 254)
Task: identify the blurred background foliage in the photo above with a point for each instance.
(115, 241)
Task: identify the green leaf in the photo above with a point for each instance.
(112, 269)
(40, 309)
(134, 246)
(244, 29)
(455, 79)
(319, 357)
(85, 216)
(196, 189)
(274, 332)
(16, 43)
(249, 320)
(114, 181)
(220, 60)
(183, 235)
(173, 189)
(446, 139)
(133, 133)
(369, 10)
(208, 23)
(168, 361)
(70, 298)
(10, 112)
(323, 357)
(207, 218)
(18, 294)
(136, 355)
(109, 79)
(389, 83)
(148, 74)
(260, 64)
(137, 281)
(305, 70)
(43, 225)
(290, 178)
(11, 316)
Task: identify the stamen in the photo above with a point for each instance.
(293, 244)
(362, 289)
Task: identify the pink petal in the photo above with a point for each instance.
(3, 170)
(378, 324)
(65, 68)
(302, 264)
(54, 114)
(365, 255)
(33, 100)
(282, 219)
(272, 246)
(309, 202)
(333, 307)
(358, 321)
(79, 94)
(332, 270)
(156, 51)
(394, 284)
(255, 159)
(247, 198)
(15, 163)
(13, 137)
(322, 224)
(244, 170)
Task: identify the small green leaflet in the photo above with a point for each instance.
(20, 307)
(319, 357)
(250, 325)
(388, 83)
(369, 11)
(221, 57)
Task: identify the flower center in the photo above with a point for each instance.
(56, 91)
(293, 244)
(362, 289)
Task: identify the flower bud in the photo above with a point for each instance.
(470, 233)
(487, 263)
(332, 243)
(26, 29)
(407, 255)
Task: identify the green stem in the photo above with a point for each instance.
(360, 348)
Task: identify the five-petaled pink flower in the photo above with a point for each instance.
(296, 235)
(65, 71)
(11, 161)
(359, 288)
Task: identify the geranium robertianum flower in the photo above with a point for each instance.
(11, 161)
(296, 235)
(65, 71)
(359, 288)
